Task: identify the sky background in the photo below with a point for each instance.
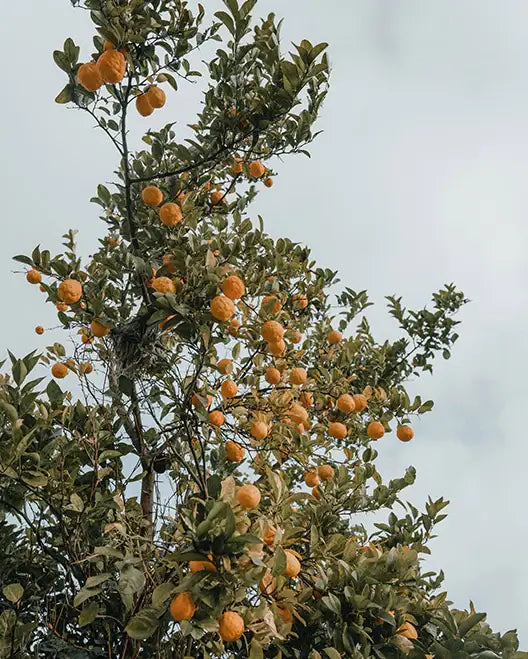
(418, 180)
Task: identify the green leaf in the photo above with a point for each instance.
(9, 409)
(162, 593)
(65, 95)
(61, 60)
(332, 653)
(256, 651)
(13, 592)
(143, 624)
(279, 562)
(469, 622)
(88, 614)
(84, 594)
(97, 580)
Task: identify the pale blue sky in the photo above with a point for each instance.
(418, 180)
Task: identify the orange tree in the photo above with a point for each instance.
(200, 488)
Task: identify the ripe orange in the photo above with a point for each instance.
(277, 348)
(163, 285)
(156, 96)
(152, 195)
(269, 538)
(334, 337)
(108, 45)
(300, 301)
(360, 402)
(256, 169)
(216, 197)
(225, 366)
(34, 276)
(405, 433)
(198, 566)
(143, 105)
(285, 614)
(306, 399)
(39, 329)
(248, 496)
(216, 418)
(89, 76)
(272, 331)
(337, 430)
(326, 472)
(293, 566)
(230, 626)
(222, 308)
(234, 327)
(98, 329)
(407, 630)
(112, 66)
(296, 337)
(61, 306)
(42, 288)
(59, 371)
(273, 375)
(86, 339)
(170, 214)
(234, 452)
(233, 287)
(298, 376)
(297, 413)
(271, 304)
(182, 607)
(70, 291)
(237, 168)
(268, 182)
(311, 478)
(375, 430)
(229, 389)
(259, 430)
(346, 403)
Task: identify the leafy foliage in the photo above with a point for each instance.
(111, 492)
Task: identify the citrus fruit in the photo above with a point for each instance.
(152, 195)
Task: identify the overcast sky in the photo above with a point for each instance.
(419, 180)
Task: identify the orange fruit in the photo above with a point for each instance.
(70, 291)
(163, 285)
(143, 105)
(298, 376)
(256, 169)
(277, 348)
(293, 566)
(182, 607)
(300, 301)
(248, 496)
(229, 389)
(337, 430)
(222, 308)
(269, 538)
(234, 452)
(233, 287)
(112, 66)
(268, 182)
(59, 371)
(198, 566)
(334, 337)
(237, 168)
(89, 76)
(297, 413)
(86, 368)
(34, 276)
(42, 288)
(273, 375)
(39, 329)
(216, 418)
(306, 399)
(156, 96)
(234, 326)
(170, 214)
(152, 195)
(216, 197)
(61, 306)
(326, 472)
(405, 433)
(375, 430)
(167, 263)
(98, 329)
(230, 626)
(272, 331)
(346, 403)
(296, 337)
(285, 614)
(108, 45)
(268, 306)
(360, 402)
(407, 630)
(267, 584)
(311, 478)
(316, 493)
(259, 430)
(225, 366)
(197, 401)
(86, 339)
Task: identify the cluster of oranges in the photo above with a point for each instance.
(110, 68)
